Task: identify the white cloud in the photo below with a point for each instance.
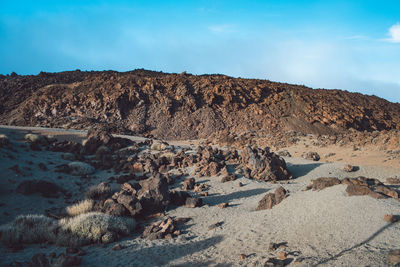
(394, 33)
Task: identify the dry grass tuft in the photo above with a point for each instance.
(100, 191)
(84, 206)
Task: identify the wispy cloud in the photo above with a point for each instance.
(394, 33)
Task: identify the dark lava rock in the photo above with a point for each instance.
(178, 198)
(193, 202)
(154, 195)
(113, 208)
(131, 203)
(189, 183)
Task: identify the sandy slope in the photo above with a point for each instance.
(325, 228)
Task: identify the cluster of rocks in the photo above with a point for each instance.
(314, 156)
(165, 228)
(359, 186)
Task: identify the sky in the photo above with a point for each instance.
(349, 45)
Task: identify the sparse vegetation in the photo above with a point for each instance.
(80, 230)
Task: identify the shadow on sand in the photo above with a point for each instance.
(341, 253)
(299, 170)
(164, 254)
(217, 199)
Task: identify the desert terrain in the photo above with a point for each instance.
(151, 169)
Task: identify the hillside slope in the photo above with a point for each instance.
(184, 106)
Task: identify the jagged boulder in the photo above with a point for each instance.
(153, 195)
(264, 165)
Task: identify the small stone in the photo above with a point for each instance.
(215, 225)
(72, 250)
(311, 156)
(117, 247)
(240, 184)
(349, 168)
(193, 202)
(394, 257)
(391, 218)
(52, 255)
(189, 183)
(204, 194)
(222, 205)
(283, 255)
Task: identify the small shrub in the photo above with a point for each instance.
(91, 227)
(29, 229)
(81, 207)
(100, 191)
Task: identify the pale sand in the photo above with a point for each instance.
(326, 228)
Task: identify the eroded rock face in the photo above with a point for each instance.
(264, 165)
(272, 199)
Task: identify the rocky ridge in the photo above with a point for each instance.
(184, 106)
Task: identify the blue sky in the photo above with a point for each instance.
(351, 45)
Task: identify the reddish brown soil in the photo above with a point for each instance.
(184, 106)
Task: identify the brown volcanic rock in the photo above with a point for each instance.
(185, 106)
(272, 199)
(264, 165)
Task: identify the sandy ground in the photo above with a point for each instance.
(324, 228)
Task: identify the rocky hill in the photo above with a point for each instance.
(184, 106)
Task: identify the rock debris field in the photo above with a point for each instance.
(91, 198)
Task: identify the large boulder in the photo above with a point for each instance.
(264, 165)
(153, 195)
